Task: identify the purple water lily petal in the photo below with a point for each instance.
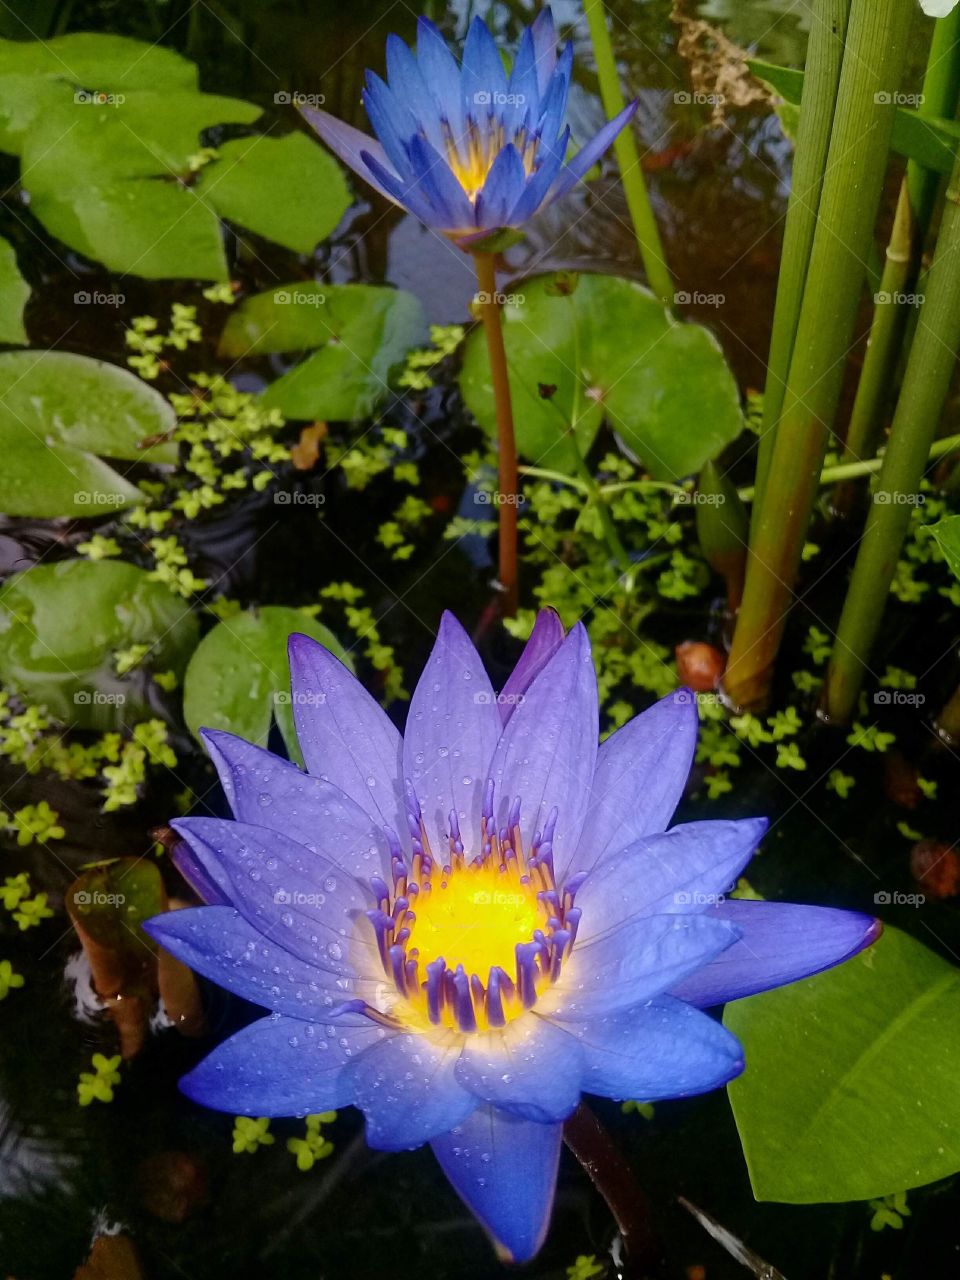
(452, 729)
(219, 944)
(392, 123)
(440, 73)
(306, 902)
(641, 773)
(502, 189)
(505, 1171)
(406, 1088)
(547, 753)
(544, 37)
(191, 868)
(409, 92)
(481, 70)
(683, 870)
(280, 1067)
(531, 1068)
(345, 736)
(265, 791)
(545, 639)
(435, 181)
(404, 191)
(780, 943)
(590, 153)
(664, 1049)
(636, 963)
(349, 144)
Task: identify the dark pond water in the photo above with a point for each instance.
(160, 1166)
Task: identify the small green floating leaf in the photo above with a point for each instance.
(60, 625)
(286, 189)
(662, 385)
(59, 413)
(14, 292)
(850, 1091)
(356, 334)
(239, 677)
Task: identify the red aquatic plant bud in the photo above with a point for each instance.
(699, 665)
(935, 866)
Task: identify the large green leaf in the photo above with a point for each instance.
(239, 677)
(361, 332)
(662, 385)
(139, 226)
(244, 182)
(14, 292)
(103, 62)
(61, 624)
(929, 140)
(850, 1090)
(947, 534)
(58, 411)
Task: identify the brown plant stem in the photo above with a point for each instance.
(508, 481)
(614, 1179)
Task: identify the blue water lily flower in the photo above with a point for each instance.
(470, 150)
(461, 930)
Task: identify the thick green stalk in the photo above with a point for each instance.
(820, 84)
(886, 336)
(508, 494)
(941, 88)
(925, 386)
(918, 193)
(872, 66)
(625, 148)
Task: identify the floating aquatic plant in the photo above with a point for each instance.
(461, 930)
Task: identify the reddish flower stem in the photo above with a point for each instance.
(508, 481)
(614, 1179)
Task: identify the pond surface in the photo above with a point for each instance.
(163, 1168)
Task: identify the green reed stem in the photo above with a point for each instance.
(628, 158)
(508, 493)
(855, 470)
(872, 66)
(925, 386)
(820, 84)
(918, 193)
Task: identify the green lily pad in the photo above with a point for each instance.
(663, 385)
(850, 1091)
(99, 62)
(356, 333)
(947, 535)
(14, 292)
(61, 624)
(59, 413)
(239, 677)
(244, 182)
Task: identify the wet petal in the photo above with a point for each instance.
(634, 964)
(309, 905)
(265, 791)
(345, 736)
(219, 944)
(640, 776)
(280, 1067)
(505, 1171)
(664, 1049)
(684, 870)
(406, 1088)
(531, 1068)
(780, 943)
(548, 749)
(452, 730)
(545, 639)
